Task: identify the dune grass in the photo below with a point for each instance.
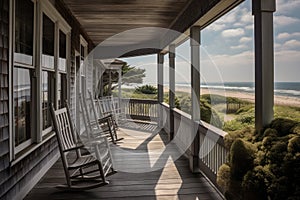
(239, 119)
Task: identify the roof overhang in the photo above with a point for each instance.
(104, 19)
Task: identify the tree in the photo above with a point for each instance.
(130, 74)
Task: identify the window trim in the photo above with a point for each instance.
(12, 64)
(37, 135)
(46, 8)
(84, 44)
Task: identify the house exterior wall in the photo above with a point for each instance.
(18, 178)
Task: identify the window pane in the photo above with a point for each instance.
(47, 97)
(82, 52)
(22, 104)
(62, 45)
(24, 18)
(82, 65)
(61, 88)
(48, 42)
(62, 51)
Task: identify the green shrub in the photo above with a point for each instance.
(247, 118)
(294, 145)
(146, 89)
(296, 129)
(223, 176)
(185, 104)
(244, 109)
(283, 126)
(177, 102)
(241, 158)
(270, 132)
(232, 125)
(276, 155)
(268, 168)
(209, 115)
(244, 133)
(256, 182)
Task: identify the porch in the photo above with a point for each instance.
(62, 66)
(167, 178)
(149, 165)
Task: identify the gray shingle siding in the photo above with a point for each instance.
(4, 130)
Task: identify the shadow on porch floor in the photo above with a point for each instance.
(146, 170)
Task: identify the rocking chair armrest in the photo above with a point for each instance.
(103, 119)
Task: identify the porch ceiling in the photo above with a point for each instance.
(102, 19)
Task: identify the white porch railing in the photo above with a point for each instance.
(212, 152)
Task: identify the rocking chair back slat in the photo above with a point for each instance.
(84, 168)
(63, 124)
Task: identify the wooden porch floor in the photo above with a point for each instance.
(143, 173)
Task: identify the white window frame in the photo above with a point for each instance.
(59, 71)
(60, 24)
(37, 136)
(83, 69)
(13, 62)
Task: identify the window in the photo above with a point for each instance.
(23, 87)
(61, 90)
(24, 31)
(48, 73)
(37, 67)
(22, 104)
(62, 78)
(48, 42)
(47, 98)
(82, 67)
(62, 51)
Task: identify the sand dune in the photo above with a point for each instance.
(279, 100)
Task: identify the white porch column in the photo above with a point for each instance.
(195, 92)
(172, 87)
(264, 61)
(160, 87)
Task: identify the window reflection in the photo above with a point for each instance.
(61, 90)
(48, 42)
(22, 104)
(47, 98)
(24, 31)
(62, 51)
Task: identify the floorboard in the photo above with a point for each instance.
(146, 171)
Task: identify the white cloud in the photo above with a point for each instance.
(277, 46)
(286, 35)
(216, 27)
(238, 17)
(233, 32)
(286, 6)
(247, 18)
(245, 39)
(291, 44)
(250, 27)
(283, 20)
(241, 46)
(287, 65)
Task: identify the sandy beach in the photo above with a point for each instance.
(279, 100)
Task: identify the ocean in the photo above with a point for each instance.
(291, 89)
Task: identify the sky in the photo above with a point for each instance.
(227, 48)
